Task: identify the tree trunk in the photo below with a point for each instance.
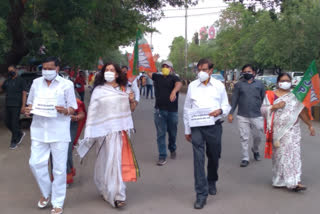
(18, 47)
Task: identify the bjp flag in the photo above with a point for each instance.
(141, 59)
(100, 63)
(308, 89)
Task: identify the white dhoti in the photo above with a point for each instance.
(107, 174)
(40, 153)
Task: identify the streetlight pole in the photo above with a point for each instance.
(186, 40)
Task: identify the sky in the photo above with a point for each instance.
(203, 14)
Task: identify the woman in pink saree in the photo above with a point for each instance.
(282, 112)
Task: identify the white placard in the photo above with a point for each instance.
(200, 117)
(45, 107)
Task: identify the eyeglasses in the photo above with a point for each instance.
(10, 70)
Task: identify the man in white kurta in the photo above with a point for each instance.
(50, 132)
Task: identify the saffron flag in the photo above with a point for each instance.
(308, 89)
(141, 59)
(100, 63)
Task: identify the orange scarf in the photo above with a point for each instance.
(129, 164)
(269, 133)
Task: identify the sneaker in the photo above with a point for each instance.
(161, 162)
(244, 163)
(256, 155)
(13, 146)
(173, 155)
(21, 138)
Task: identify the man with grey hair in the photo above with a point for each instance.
(206, 105)
(167, 87)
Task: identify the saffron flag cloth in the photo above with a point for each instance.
(100, 63)
(141, 59)
(308, 89)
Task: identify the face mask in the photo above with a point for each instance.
(248, 76)
(49, 74)
(285, 85)
(109, 76)
(165, 71)
(12, 73)
(203, 76)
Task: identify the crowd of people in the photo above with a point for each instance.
(58, 118)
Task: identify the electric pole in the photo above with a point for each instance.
(186, 40)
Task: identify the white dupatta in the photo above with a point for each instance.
(109, 111)
(284, 118)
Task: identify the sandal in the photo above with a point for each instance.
(43, 202)
(299, 188)
(119, 204)
(57, 210)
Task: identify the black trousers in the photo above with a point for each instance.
(206, 138)
(12, 122)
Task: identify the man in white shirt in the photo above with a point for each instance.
(205, 95)
(51, 101)
(133, 85)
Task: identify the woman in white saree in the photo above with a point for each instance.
(108, 125)
(282, 112)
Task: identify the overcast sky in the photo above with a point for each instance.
(204, 14)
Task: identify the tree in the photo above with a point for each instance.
(266, 4)
(176, 55)
(76, 31)
(195, 38)
(289, 41)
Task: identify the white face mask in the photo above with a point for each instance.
(285, 85)
(203, 76)
(49, 74)
(109, 76)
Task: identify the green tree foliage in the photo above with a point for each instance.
(288, 41)
(266, 4)
(76, 31)
(176, 55)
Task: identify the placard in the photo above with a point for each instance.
(200, 117)
(45, 107)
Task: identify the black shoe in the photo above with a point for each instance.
(199, 204)
(173, 155)
(161, 162)
(213, 189)
(244, 163)
(256, 155)
(13, 146)
(21, 138)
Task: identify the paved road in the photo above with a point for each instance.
(167, 189)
